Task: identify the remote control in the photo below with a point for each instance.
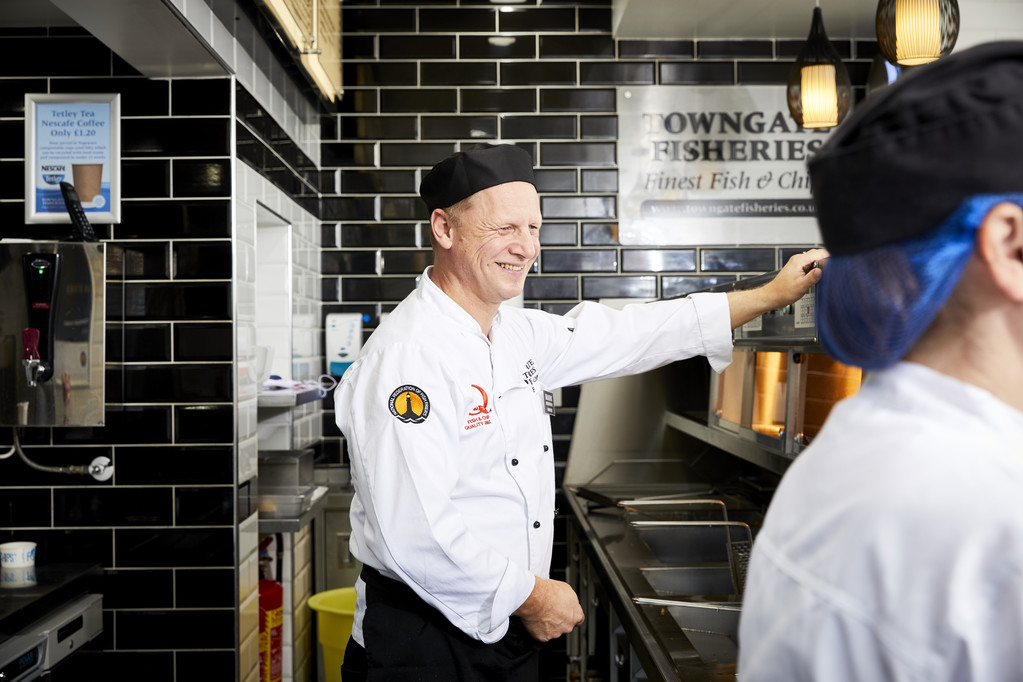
(79, 223)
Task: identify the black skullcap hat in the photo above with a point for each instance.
(907, 158)
(464, 173)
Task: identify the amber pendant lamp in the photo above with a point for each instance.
(912, 32)
(819, 91)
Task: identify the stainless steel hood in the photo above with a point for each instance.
(738, 19)
(148, 34)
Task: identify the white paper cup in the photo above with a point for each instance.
(18, 576)
(17, 554)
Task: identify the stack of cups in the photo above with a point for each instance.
(17, 564)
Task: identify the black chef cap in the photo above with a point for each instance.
(911, 154)
(464, 173)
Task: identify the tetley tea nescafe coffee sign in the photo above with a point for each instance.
(713, 165)
(74, 139)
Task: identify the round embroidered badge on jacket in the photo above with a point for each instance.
(409, 404)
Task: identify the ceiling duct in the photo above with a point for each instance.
(151, 35)
(734, 19)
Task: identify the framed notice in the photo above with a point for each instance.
(73, 138)
(713, 165)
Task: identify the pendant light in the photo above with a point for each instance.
(819, 92)
(912, 32)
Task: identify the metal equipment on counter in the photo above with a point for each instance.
(52, 340)
(46, 621)
(668, 478)
(660, 571)
(52, 333)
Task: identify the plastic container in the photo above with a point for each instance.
(335, 611)
(285, 503)
(282, 506)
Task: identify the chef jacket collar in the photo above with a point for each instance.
(436, 296)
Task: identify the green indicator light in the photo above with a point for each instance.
(40, 271)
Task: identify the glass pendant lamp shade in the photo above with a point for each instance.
(819, 91)
(911, 32)
(819, 95)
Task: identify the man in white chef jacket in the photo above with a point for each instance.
(446, 417)
(893, 547)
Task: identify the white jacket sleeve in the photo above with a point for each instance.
(598, 342)
(405, 473)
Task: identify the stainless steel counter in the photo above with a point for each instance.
(674, 584)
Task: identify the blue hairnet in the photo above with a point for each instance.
(872, 306)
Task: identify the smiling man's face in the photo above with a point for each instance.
(495, 241)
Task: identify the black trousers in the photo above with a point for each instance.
(407, 640)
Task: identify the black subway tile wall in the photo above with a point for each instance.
(141, 343)
(556, 180)
(163, 528)
(559, 234)
(543, 78)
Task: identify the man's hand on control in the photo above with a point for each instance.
(801, 272)
(552, 610)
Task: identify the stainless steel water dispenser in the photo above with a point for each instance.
(52, 321)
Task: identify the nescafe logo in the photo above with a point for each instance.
(53, 173)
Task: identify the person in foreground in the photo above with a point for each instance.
(446, 417)
(893, 547)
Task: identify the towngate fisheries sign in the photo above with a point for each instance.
(713, 165)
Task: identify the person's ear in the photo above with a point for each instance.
(1000, 242)
(441, 227)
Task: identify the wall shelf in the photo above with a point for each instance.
(733, 445)
(293, 524)
(287, 398)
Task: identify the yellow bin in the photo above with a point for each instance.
(335, 611)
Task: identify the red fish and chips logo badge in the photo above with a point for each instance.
(482, 407)
(479, 415)
(409, 404)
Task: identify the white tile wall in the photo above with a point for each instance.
(248, 537)
(248, 650)
(297, 260)
(287, 306)
(246, 389)
(296, 579)
(302, 125)
(248, 577)
(247, 458)
(248, 616)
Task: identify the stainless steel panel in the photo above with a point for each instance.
(71, 391)
(713, 630)
(669, 581)
(285, 468)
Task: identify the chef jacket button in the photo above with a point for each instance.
(515, 462)
(536, 524)
(545, 448)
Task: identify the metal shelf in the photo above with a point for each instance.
(273, 524)
(287, 398)
(733, 445)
